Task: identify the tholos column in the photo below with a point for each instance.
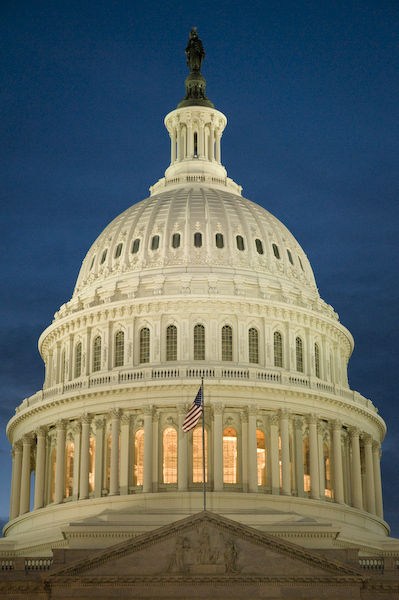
(274, 455)
(173, 145)
(338, 472)
(377, 480)
(356, 469)
(77, 436)
(244, 451)
(299, 456)
(217, 447)
(212, 142)
(217, 140)
(314, 458)
(370, 492)
(41, 433)
(125, 444)
(252, 450)
(99, 460)
(115, 415)
(285, 453)
(147, 463)
(16, 481)
(25, 475)
(182, 472)
(322, 465)
(60, 462)
(85, 457)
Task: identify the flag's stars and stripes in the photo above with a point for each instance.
(194, 414)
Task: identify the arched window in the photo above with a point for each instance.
(63, 367)
(253, 345)
(278, 349)
(198, 466)
(169, 455)
(195, 143)
(327, 474)
(261, 451)
(119, 348)
(276, 251)
(78, 359)
(118, 250)
(230, 455)
(299, 354)
(197, 239)
(144, 345)
(227, 343)
(306, 465)
(104, 256)
(240, 242)
(138, 456)
(176, 240)
(290, 256)
(300, 263)
(219, 240)
(69, 469)
(155, 242)
(136, 246)
(259, 246)
(317, 360)
(171, 343)
(97, 354)
(199, 342)
(92, 462)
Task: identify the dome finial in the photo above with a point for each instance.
(195, 82)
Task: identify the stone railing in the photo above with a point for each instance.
(25, 564)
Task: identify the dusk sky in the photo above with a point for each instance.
(310, 91)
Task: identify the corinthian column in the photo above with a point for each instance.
(285, 453)
(252, 449)
(182, 474)
(337, 463)
(314, 458)
(147, 463)
(115, 415)
(356, 469)
(370, 492)
(60, 462)
(217, 447)
(41, 433)
(85, 457)
(377, 480)
(25, 475)
(274, 455)
(16, 481)
(125, 445)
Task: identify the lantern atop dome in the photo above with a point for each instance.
(195, 82)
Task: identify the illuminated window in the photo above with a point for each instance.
(97, 354)
(276, 251)
(327, 474)
(170, 455)
(104, 256)
(253, 345)
(176, 240)
(317, 360)
(136, 246)
(197, 239)
(227, 343)
(198, 467)
(229, 455)
(144, 345)
(299, 354)
(306, 465)
(78, 360)
(155, 242)
(240, 242)
(118, 250)
(171, 343)
(69, 469)
(259, 246)
(261, 451)
(92, 463)
(219, 240)
(278, 349)
(119, 348)
(138, 456)
(199, 342)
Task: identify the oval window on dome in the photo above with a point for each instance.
(92, 262)
(197, 239)
(276, 251)
(104, 256)
(219, 240)
(176, 240)
(290, 257)
(259, 246)
(136, 246)
(155, 242)
(240, 242)
(118, 250)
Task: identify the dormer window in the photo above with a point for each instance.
(290, 257)
(176, 240)
(300, 263)
(259, 246)
(276, 251)
(155, 242)
(136, 246)
(197, 239)
(92, 262)
(240, 242)
(219, 240)
(104, 256)
(118, 250)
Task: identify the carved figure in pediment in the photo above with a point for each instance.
(230, 555)
(204, 553)
(177, 562)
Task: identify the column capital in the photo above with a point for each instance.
(77, 428)
(148, 410)
(115, 413)
(99, 422)
(244, 416)
(86, 418)
(367, 439)
(27, 439)
(41, 431)
(273, 420)
(284, 413)
(336, 425)
(354, 432)
(313, 419)
(17, 447)
(217, 408)
(376, 446)
(298, 422)
(61, 424)
(126, 418)
(253, 410)
(182, 408)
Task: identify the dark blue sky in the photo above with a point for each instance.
(310, 90)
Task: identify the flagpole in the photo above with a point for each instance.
(203, 441)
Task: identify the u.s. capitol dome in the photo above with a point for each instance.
(195, 282)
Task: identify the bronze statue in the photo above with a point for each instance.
(195, 51)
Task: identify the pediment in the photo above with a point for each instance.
(206, 544)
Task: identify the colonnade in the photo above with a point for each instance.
(342, 464)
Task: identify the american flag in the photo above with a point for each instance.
(193, 415)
